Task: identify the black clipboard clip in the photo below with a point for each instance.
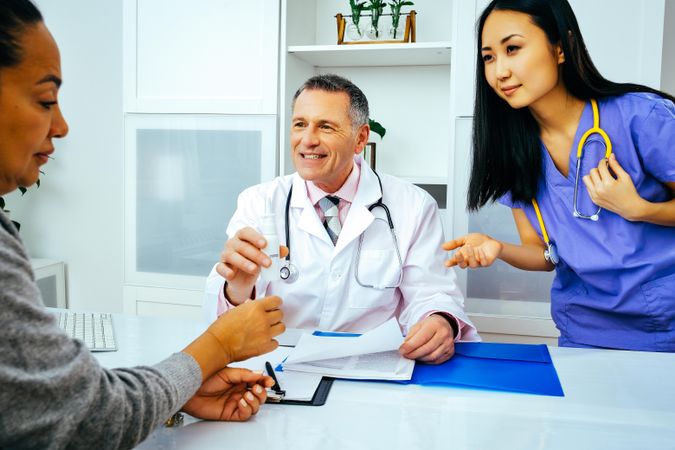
(277, 395)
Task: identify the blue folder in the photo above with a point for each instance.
(506, 367)
(523, 368)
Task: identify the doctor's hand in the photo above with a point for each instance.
(430, 340)
(240, 263)
(613, 193)
(230, 394)
(473, 250)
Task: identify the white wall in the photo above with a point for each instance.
(668, 68)
(76, 216)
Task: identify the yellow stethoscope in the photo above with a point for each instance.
(551, 253)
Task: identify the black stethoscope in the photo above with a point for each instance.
(289, 272)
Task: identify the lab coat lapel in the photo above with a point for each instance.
(359, 218)
(309, 220)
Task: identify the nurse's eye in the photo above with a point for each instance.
(487, 58)
(511, 48)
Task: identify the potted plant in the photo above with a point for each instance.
(369, 151)
(353, 29)
(395, 6)
(376, 9)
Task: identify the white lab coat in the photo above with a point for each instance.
(326, 295)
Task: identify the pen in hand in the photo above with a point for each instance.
(270, 371)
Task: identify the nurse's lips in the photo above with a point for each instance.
(509, 90)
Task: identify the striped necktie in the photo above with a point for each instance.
(331, 221)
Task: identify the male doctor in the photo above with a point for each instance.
(349, 277)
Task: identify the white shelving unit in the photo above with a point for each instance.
(374, 55)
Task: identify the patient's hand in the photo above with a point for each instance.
(230, 394)
(430, 340)
(473, 250)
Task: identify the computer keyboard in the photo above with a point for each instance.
(94, 329)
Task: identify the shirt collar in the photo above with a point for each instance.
(346, 192)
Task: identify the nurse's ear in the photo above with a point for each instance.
(559, 53)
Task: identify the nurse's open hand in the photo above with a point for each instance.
(230, 394)
(473, 250)
(240, 263)
(430, 340)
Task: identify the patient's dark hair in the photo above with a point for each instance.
(15, 17)
(358, 103)
(506, 142)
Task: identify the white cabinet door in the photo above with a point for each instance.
(213, 56)
(183, 174)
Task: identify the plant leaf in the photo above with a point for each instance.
(377, 128)
(2, 203)
(23, 190)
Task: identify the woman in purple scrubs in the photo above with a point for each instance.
(606, 228)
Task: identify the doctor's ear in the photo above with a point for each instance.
(362, 136)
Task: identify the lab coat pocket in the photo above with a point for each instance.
(376, 270)
(660, 300)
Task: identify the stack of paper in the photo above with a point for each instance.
(371, 356)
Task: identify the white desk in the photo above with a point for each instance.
(613, 400)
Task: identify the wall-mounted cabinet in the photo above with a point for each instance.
(183, 174)
(200, 105)
(209, 56)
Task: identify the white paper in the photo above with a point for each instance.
(373, 355)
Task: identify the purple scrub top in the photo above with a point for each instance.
(615, 283)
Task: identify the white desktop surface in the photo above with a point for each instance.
(613, 400)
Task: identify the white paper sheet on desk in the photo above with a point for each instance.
(373, 355)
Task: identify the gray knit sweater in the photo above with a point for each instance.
(53, 392)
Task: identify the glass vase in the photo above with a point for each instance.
(353, 32)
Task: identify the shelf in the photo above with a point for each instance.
(413, 54)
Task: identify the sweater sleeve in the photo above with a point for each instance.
(54, 393)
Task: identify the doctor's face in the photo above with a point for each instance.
(29, 113)
(520, 63)
(323, 140)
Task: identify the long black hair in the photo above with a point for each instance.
(506, 143)
(15, 17)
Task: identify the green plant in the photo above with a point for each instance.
(377, 128)
(376, 9)
(396, 6)
(357, 9)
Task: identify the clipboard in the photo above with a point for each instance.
(319, 398)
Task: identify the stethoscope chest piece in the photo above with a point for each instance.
(288, 273)
(551, 254)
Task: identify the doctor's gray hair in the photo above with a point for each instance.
(15, 17)
(358, 103)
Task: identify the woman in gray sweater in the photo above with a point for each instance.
(53, 393)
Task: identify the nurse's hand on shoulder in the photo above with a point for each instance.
(473, 250)
(230, 394)
(430, 340)
(616, 192)
(240, 263)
